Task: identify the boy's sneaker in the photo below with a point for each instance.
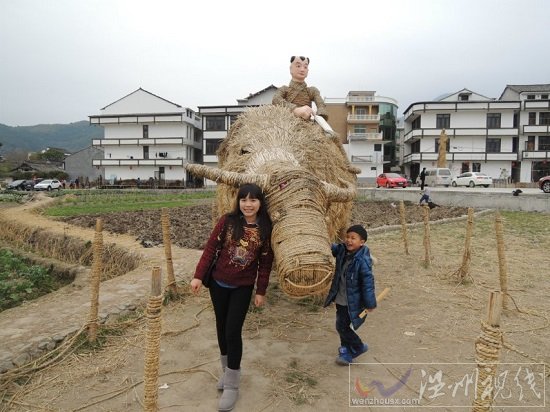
(360, 352)
(344, 356)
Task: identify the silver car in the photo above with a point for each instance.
(48, 184)
(472, 179)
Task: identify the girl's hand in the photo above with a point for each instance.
(259, 300)
(196, 286)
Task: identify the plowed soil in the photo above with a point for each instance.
(190, 226)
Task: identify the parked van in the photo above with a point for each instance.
(438, 176)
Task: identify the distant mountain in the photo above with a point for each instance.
(71, 137)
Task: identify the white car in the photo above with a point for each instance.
(48, 184)
(472, 179)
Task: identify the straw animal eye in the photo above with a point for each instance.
(282, 185)
(244, 151)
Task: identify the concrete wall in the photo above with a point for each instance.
(491, 200)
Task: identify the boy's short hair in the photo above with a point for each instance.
(360, 230)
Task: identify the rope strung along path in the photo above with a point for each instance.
(488, 346)
(152, 349)
(97, 268)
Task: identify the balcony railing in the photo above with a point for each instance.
(145, 142)
(370, 99)
(461, 156)
(139, 162)
(364, 117)
(536, 128)
(536, 154)
(365, 136)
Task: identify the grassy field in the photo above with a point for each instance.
(99, 202)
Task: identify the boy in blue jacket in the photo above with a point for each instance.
(352, 290)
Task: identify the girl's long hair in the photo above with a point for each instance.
(236, 219)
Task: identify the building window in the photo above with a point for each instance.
(415, 147)
(515, 120)
(493, 145)
(416, 123)
(476, 167)
(361, 111)
(146, 152)
(443, 121)
(532, 118)
(530, 97)
(464, 97)
(232, 119)
(212, 146)
(377, 147)
(493, 120)
(145, 131)
(544, 143)
(544, 118)
(359, 129)
(215, 123)
(544, 96)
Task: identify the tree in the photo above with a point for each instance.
(53, 155)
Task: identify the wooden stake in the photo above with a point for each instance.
(464, 269)
(404, 226)
(503, 271)
(488, 346)
(166, 240)
(427, 246)
(152, 350)
(95, 280)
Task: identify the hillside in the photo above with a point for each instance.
(71, 137)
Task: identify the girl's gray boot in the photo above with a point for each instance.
(231, 381)
(223, 360)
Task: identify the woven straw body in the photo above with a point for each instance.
(308, 186)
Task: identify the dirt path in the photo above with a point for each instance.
(427, 323)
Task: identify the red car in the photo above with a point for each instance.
(544, 184)
(391, 180)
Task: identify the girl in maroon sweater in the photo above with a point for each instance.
(245, 258)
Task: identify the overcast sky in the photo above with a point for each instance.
(63, 60)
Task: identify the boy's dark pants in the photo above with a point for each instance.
(348, 337)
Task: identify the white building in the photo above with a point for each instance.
(216, 121)
(366, 124)
(147, 137)
(508, 137)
